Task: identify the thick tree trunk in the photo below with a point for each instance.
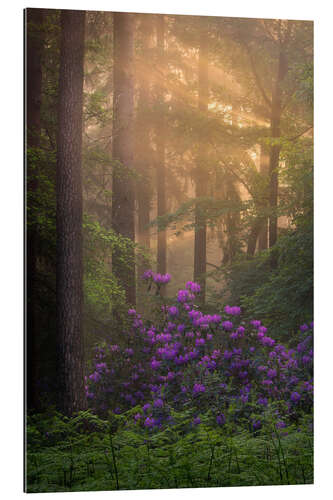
(201, 174)
(160, 149)
(69, 214)
(142, 143)
(123, 198)
(34, 49)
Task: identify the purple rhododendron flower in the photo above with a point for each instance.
(149, 422)
(256, 424)
(197, 388)
(194, 287)
(220, 419)
(227, 325)
(295, 396)
(280, 424)
(234, 311)
(262, 401)
(173, 311)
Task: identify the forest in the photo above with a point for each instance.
(169, 251)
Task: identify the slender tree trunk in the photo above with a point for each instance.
(264, 170)
(142, 142)
(253, 237)
(160, 148)
(201, 174)
(259, 230)
(275, 148)
(123, 200)
(69, 214)
(34, 49)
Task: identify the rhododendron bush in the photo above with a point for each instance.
(215, 367)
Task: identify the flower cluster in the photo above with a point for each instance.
(161, 279)
(203, 362)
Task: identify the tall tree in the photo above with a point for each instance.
(201, 168)
(160, 146)
(69, 214)
(123, 198)
(143, 151)
(34, 50)
(264, 171)
(276, 112)
(259, 230)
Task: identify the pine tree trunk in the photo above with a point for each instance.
(123, 198)
(69, 214)
(160, 149)
(275, 148)
(259, 230)
(264, 169)
(143, 152)
(201, 174)
(34, 49)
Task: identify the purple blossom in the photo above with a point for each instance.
(227, 325)
(234, 311)
(220, 419)
(194, 287)
(173, 311)
(295, 397)
(197, 388)
(271, 373)
(149, 422)
(262, 401)
(280, 424)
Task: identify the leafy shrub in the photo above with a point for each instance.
(201, 363)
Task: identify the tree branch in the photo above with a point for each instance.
(256, 77)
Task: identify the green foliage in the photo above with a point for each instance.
(286, 296)
(86, 453)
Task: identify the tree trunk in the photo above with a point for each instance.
(259, 230)
(264, 170)
(142, 143)
(201, 174)
(160, 149)
(123, 199)
(275, 148)
(69, 214)
(34, 49)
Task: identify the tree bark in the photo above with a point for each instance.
(264, 169)
(201, 173)
(142, 143)
(123, 198)
(34, 50)
(69, 214)
(275, 148)
(259, 230)
(160, 149)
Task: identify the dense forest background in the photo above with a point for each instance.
(163, 150)
(210, 158)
